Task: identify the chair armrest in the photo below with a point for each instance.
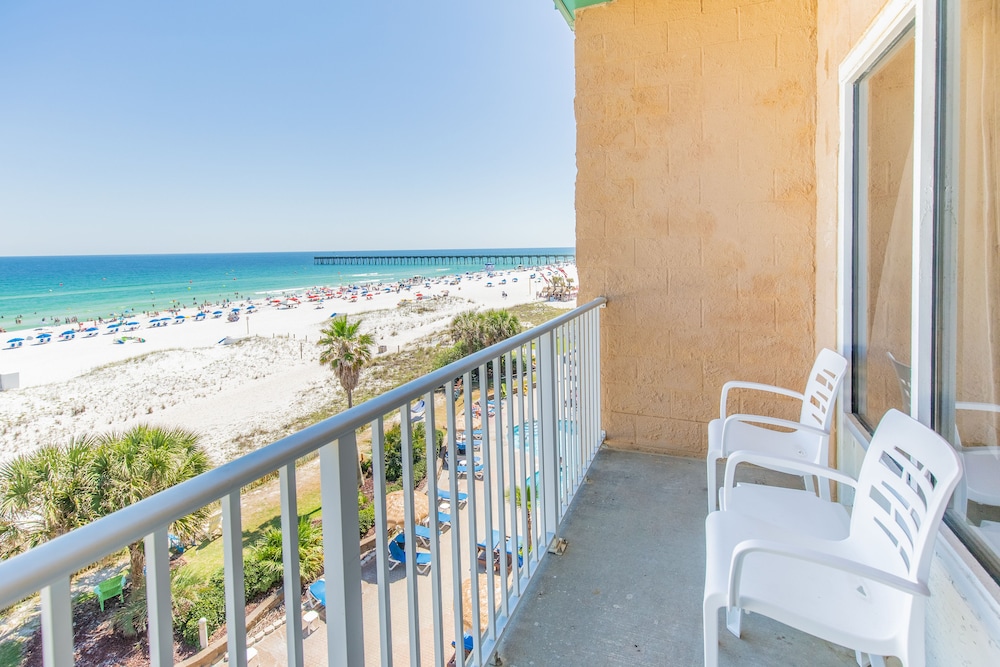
(778, 463)
(978, 407)
(757, 386)
(823, 558)
(772, 421)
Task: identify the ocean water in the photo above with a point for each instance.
(38, 289)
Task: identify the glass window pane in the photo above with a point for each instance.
(969, 299)
(883, 223)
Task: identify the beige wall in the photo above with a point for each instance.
(696, 205)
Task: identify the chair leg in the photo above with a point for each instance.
(711, 634)
(713, 493)
(734, 618)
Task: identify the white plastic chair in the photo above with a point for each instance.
(866, 591)
(981, 483)
(808, 441)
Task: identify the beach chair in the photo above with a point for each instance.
(462, 470)
(445, 496)
(866, 591)
(805, 440)
(317, 593)
(397, 555)
(110, 588)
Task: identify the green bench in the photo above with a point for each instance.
(109, 588)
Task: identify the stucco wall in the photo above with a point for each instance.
(696, 207)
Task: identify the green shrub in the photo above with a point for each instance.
(210, 603)
(393, 453)
(366, 519)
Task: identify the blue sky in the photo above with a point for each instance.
(135, 127)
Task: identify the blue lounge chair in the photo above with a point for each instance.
(397, 555)
(445, 495)
(317, 592)
(463, 470)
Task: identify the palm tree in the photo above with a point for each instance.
(347, 352)
(44, 494)
(145, 460)
(466, 331)
(499, 325)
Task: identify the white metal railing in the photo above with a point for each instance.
(537, 437)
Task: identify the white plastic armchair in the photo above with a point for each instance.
(807, 440)
(982, 463)
(793, 509)
(866, 590)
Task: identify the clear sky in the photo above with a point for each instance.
(251, 125)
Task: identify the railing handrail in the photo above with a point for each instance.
(45, 564)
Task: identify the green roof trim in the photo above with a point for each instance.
(568, 8)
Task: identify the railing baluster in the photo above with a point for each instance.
(57, 624)
(456, 545)
(413, 607)
(533, 480)
(547, 431)
(431, 456)
(290, 562)
(470, 485)
(515, 532)
(158, 608)
(484, 425)
(498, 451)
(532, 487)
(236, 607)
(339, 496)
(381, 542)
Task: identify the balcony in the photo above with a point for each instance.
(521, 438)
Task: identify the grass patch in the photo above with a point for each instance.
(260, 512)
(10, 653)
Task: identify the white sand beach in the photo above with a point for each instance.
(235, 396)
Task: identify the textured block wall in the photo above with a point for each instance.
(696, 205)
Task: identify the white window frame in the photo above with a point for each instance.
(894, 20)
(968, 576)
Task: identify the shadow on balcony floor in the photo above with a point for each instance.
(628, 590)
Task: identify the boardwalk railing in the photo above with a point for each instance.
(521, 418)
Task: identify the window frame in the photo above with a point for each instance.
(932, 336)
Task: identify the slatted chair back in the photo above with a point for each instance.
(821, 390)
(906, 480)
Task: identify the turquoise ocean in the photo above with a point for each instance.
(92, 286)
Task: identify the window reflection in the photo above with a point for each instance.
(883, 232)
(969, 366)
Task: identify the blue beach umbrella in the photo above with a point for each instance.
(132, 324)
(67, 333)
(217, 312)
(16, 340)
(91, 329)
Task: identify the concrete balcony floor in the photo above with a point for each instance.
(628, 590)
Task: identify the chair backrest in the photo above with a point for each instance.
(825, 379)
(396, 551)
(906, 480)
(903, 375)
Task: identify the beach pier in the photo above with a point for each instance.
(409, 259)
